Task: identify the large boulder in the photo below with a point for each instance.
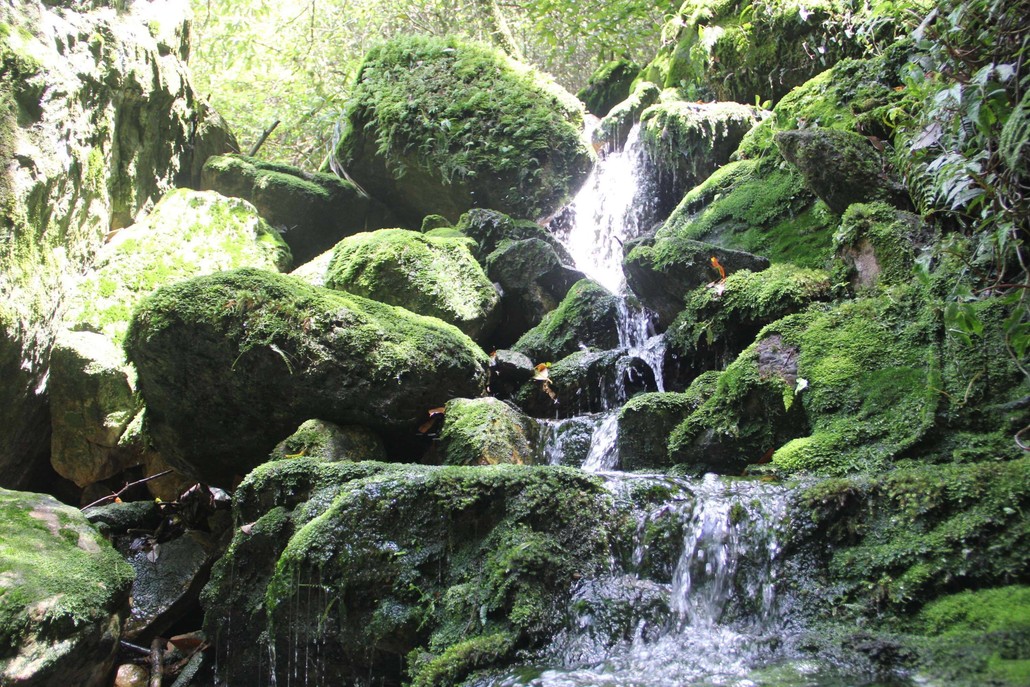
(586, 317)
(312, 211)
(97, 120)
(608, 86)
(485, 431)
(232, 363)
(429, 275)
(63, 591)
(662, 272)
(378, 569)
(188, 233)
(441, 126)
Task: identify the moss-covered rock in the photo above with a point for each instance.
(876, 244)
(508, 371)
(686, 141)
(321, 440)
(490, 229)
(429, 275)
(647, 420)
(661, 272)
(586, 382)
(719, 321)
(840, 167)
(608, 86)
(485, 431)
(230, 364)
(62, 592)
(311, 211)
(613, 131)
(427, 571)
(585, 318)
(733, 50)
(442, 126)
(97, 120)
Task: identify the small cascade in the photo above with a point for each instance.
(603, 454)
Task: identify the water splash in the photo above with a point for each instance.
(603, 453)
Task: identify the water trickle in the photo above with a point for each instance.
(603, 454)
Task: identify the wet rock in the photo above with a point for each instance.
(131, 675)
(231, 363)
(311, 211)
(841, 167)
(662, 272)
(433, 276)
(613, 130)
(92, 402)
(490, 229)
(61, 595)
(327, 441)
(586, 382)
(509, 370)
(168, 580)
(647, 420)
(585, 318)
(485, 431)
(511, 139)
(566, 441)
(480, 557)
(876, 244)
(100, 121)
(608, 86)
(114, 519)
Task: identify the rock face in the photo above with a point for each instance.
(485, 431)
(62, 592)
(441, 126)
(232, 363)
(97, 119)
(585, 318)
(428, 275)
(876, 244)
(428, 572)
(188, 233)
(312, 211)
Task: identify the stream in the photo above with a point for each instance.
(724, 611)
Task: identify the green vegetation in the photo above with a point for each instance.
(584, 317)
(485, 431)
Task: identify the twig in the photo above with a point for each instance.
(135, 647)
(155, 662)
(123, 489)
(261, 141)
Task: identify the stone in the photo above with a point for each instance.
(876, 245)
(232, 363)
(485, 431)
(490, 228)
(586, 318)
(327, 441)
(841, 167)
(432, 276)
(645, 423)
(92, 402)
(608, 86)
(612, 131)
(62, 592)
(131, 675)
(508, 371)
(662, 272)
(487, 132)
(98, 120)
(312, 211)
(412, 567)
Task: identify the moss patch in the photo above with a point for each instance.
(586, 316)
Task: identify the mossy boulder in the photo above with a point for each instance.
(485, 431)
(876, 244)
(647, 420)
(232, 363)
(719, 321)
(92, 402)
(429, 275)
(730, 50)
(508, 371)
(586, 317)
(63, 590)
(98, 119)
(425, 571)
(661, 272)
(586, 382)
(491, 229)
(613, 130)
(608, 86)
(840, 167)
(686, 141)
(188, 233)
(321, 440)
(441, 126)
(311, 211)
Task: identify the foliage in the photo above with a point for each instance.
(293, 61)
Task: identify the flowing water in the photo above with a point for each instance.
(713, 601)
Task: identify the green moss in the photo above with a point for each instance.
(458, 660)
(58, 572)
(430, 275)
(466, 122)
(645, 422)
(874, 230)
(484, 431)
(585, 316)
(608, 86)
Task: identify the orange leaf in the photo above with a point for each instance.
(716, 265)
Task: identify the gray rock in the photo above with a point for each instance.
(328, 441)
